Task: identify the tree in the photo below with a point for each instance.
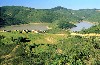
(65, 25)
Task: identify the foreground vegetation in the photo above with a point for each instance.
(48, 49)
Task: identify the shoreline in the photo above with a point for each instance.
(30, 26)
(90, 22)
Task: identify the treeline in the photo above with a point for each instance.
(91, 15)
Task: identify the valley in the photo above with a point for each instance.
(56, 36)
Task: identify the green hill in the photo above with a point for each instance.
(15, 15)
(12, 15)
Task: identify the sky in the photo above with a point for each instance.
(47, 4)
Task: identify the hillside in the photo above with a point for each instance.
(46, 49)
(12, 15)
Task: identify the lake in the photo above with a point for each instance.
(44, 26)
(82, 25)
(40, 26)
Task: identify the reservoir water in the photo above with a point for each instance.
(41, 27)
(82, 25)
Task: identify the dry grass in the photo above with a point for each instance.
(44, 38)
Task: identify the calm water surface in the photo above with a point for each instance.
(43, 27)
(25, 27)
(82, 25)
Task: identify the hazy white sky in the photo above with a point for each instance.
(41, 4)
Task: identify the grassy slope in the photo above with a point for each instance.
(76, 49)
(45, 38)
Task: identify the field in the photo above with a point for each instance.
(44, 38)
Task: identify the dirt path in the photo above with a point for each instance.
(85, 35)
(61, 34)
(50, 39)
(78, 34)
(11, 53)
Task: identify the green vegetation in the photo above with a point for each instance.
(91, 15)
(15, 15)
(48, 49)
(94, 29)
(65, 25)
(55, 46)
